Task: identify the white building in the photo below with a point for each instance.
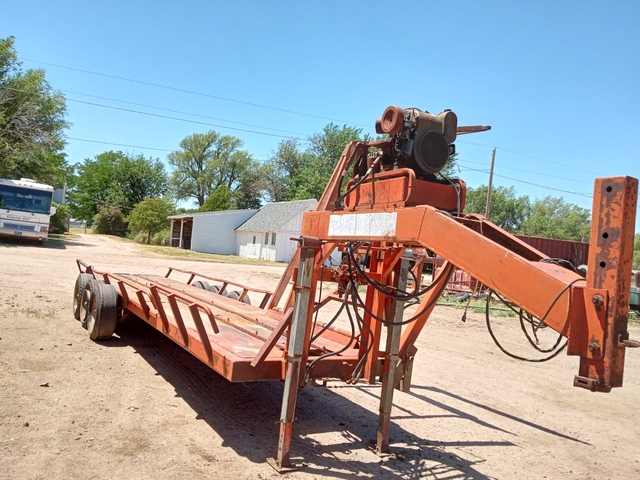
(267, 234)
(264, 233)
(210, 232)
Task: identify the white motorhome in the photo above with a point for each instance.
(25, 209)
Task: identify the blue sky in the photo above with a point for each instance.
(557, 81)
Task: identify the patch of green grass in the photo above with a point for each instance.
(37, 313)
(173, 252)
(478, 305)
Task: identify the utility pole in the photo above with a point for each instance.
(487, 211)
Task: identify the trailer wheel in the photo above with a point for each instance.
(200, 284)
(233, 294)
(85, 302)
(81, 284)
(102, 315)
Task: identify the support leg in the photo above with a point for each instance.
(391, 361)
(297, 338)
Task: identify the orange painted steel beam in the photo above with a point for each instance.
(534, 287)
(608, 281)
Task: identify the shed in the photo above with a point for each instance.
(210, 232)
(267, 234)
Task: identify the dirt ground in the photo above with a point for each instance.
(139, 406)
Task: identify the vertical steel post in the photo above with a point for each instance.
(610, 261)
(297, 337)
(394, 332)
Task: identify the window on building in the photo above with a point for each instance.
(254, 239)
(266, 238)
(273, 238)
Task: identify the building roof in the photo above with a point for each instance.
(216, 212)
(273, 216)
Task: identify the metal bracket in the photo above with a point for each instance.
(623, 341)
(587, 383)
(586, 332)
(281, 469)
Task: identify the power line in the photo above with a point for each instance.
(180, 119)
(581, 194)
(533, 173)
(179, 111)
(160, 116)
(194, 92)
(118, 144)
(530, 156)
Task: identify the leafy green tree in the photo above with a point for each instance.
(182, 210)
(60, 220)
(220, 199)
(508, 210)
(636, 252)
(204, 162)
(248, 193)
(117, 179)
(280, 174)
(295, 172)
(322, 157)
(552, 217)
(32, 121)
(150, 216)
(109, 220)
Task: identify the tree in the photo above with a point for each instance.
(32, 121)
(150, 216)
(248, 193)
(220, 199)
(60, 220)
(636, 252)
(117, 179)
(206, 161)
(552, 217)
(508, 210)
(294, 173)
(280, 174)
(109, 220)
(322, 157)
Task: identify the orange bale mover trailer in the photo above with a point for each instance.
(384, 208)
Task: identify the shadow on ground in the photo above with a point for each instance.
(246, 417)
(55, 242)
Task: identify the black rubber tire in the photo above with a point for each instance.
(200, 284)
(213, 288)
(85, 302)
(233, 294)
(236, 294)
(81, 284)
(102, 317)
